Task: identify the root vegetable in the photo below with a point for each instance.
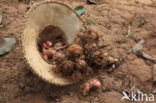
(81, 63)
(59, 57)
(75, 62)
(75, 49)
(90, 45)
(76, 76)
(112, 60)
(98, 53)
(93, 83)
(49, 52)
(49, 43)
(102, 58)
(67, 67)
(105, 54)
(86, 88)
(44, 45)
(83, 66)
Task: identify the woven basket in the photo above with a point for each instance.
(39, 16)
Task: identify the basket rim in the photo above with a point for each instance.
(32, 8)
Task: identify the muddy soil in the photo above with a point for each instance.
(114, 19)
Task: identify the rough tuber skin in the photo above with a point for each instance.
(83, 66)
(75, 49)
(48, 52)
(59, 57)
(44, 45)
(66, 67)
(81, 63)
(102, 58)
(92, 83)
(76, 76)
(112, 60)
(47, 44)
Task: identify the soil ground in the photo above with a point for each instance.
(114, 19)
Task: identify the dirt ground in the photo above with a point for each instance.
(115, 19)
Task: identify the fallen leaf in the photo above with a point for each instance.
(80, 10)
(6, 44)
(138, 46)
(146, 56)
(91, 2)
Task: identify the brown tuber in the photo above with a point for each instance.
(93, 83)
(112, 60)
(76, 76)
(47, 44)
(48, 52)
(66, 67)
(83, 66)
(59, 57)
(103, 59)
(81, 63)
(75, 49)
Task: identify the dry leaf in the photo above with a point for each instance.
(147, 56)
(138, 46)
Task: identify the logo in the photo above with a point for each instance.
(136, 96)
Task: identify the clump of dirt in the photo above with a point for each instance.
(77, 60)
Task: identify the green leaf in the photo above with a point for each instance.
(79, 10)
(6, 44)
